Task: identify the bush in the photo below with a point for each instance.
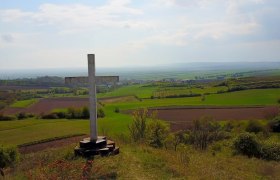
(100, 113)
(8, 156)
(50, 116)
(271, 152)
(21, 116)
(157, 131)
(6, 118)
(205, 131)
(61, 115)
(117, 110)
(174, 139)
(254, 126)
(247, 144)
(274, 125)
(85, 113)
(138, 127)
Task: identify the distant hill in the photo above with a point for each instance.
(176, 70)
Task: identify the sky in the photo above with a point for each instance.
(122, 33)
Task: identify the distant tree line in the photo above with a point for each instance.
(46, 81)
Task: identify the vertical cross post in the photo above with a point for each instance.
(92, 97)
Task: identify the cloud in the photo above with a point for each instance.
(7, 38)
(116, 13)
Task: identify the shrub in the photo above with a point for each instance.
(73, 113)
(100, 113)
(174, 139)
(61, 115)
(157, 131)
(8, 156)
(275, 124)
(138, 127)
(85, 113)
(228, 126)
(254, 126)
(117, 110)
(271, 151)
(247, 144)
(6, 118)
(21, 116)
(50, 116)
(205, 131)
(278, 100)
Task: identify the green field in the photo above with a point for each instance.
(25, 131)
(24, 103)
(239, 98)
(137, 90)
(18, 132)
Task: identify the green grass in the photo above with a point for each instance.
(26, 131)
(137, 90)
(186, 90)
(239, 98)
(141, 162)
(24, 103)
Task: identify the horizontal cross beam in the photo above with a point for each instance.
(83, 80)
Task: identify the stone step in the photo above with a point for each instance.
(98, 144)
(104, 151)
(111, 147)
(116, 151)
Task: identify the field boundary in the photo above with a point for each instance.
(49, 140)
(206, 107)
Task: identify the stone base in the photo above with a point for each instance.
(101, 146)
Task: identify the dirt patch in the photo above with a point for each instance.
(51, 144)
(182, 118)
(118, 99)
(47, 105)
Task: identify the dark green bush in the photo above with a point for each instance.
(50, 116)
(117, 110)
(100, 113)
(61, 115)
(85, 113)
(21, 115)
(157, 131)
(254, 126)
(6, 118)
(138, 126)
(271, 151)
(8, 156)
(247, 144)
(205, 131)
(274, 124)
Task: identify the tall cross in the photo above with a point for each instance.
(92, 80)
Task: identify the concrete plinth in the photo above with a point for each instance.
(101, 146)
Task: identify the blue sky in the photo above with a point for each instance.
(50, 34)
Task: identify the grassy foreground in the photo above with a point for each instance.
(143, 162)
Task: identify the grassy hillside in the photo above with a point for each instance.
(239, 98)
(137, 90)
(24, 103)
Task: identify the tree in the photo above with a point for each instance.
(8, 157)
(138, 127)
(174, 139)
(157, 133)
(247, 144)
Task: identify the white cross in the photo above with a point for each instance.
(92, 80)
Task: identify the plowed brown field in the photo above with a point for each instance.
(48, 104)
(182, 118)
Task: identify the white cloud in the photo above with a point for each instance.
(79, 16)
